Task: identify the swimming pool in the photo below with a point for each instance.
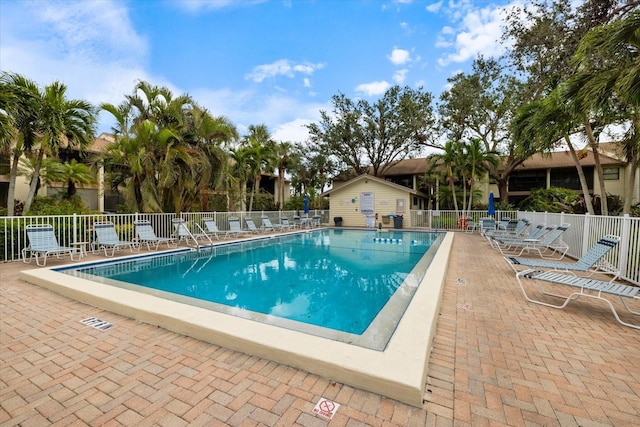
(398, 371)
(333, 279)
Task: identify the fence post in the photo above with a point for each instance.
(624, 245)
(585, 233)
(75, 227)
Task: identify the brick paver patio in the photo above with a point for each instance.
(497, 360)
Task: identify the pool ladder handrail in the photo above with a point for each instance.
(190, 234)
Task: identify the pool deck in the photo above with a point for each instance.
(497, 360)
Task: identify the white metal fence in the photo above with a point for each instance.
(584, 230)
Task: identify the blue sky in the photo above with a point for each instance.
(273, 62)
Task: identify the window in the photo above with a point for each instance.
(568, 178)
(611, 174)
(528, 180)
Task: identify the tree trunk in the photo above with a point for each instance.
(11, 195)
(583, 180)
(633, 161)
(503, 189)
(33, 188)
(596, 157)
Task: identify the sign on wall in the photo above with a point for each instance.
(366, 203)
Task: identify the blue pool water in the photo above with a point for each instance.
(333, 278)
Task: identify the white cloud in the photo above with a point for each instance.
(373, 88)
(92, 47)
(434, 7)
(479, 31)
(206, 5)
(282, 67)
(250, 107)
(400, 76)
(306, 82)
(399, 56)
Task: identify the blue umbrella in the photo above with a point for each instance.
(306, 204)
(492, 206)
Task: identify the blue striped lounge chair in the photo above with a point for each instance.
(251, 226)
(235, 229)
(583, 287)
(591, 262)
(211, 228)
(549, 246)
(43, 244)
(107, 238)
(182, 232)
(146, 235)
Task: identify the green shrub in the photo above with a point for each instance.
(551, 200)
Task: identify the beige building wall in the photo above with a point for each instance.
(345, 202)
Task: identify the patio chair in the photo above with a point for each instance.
(551, 243)
(42, 244)
(510, 227)
(315, 222)
(534, 233)
(251, 226)
(211, 227)
(286, 224)
(487, 224)
(147, 235)
(107, 238)
(182, 232)
(267, 225)
(591, 262)
(235, 229)
(587, 287)
(471, 225)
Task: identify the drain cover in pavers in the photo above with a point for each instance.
(326, 408)
(97, 323)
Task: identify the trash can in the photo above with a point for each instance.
(338, 221)
(397, 221)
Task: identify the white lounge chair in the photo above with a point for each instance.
(286, 224)
(182, 232)
(147, 235)
(548, 245)
(587, 287)
(251, 226)
(211, 227)
(235, 229)
(591, 262)
(107, 238)
(42, 244)
(269, 226)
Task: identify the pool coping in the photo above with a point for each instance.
(399, 372)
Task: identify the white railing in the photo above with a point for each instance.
(70, 229)
(584, 230)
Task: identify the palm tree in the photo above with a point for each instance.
(478, 161)
(210, 135)
(59, 122)
(548, 121)
(452, 160)
(20, 96)
(168, 149)
(240, 173)
(608, 81)
(261, 157)
(283, 153)
(72, 173)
